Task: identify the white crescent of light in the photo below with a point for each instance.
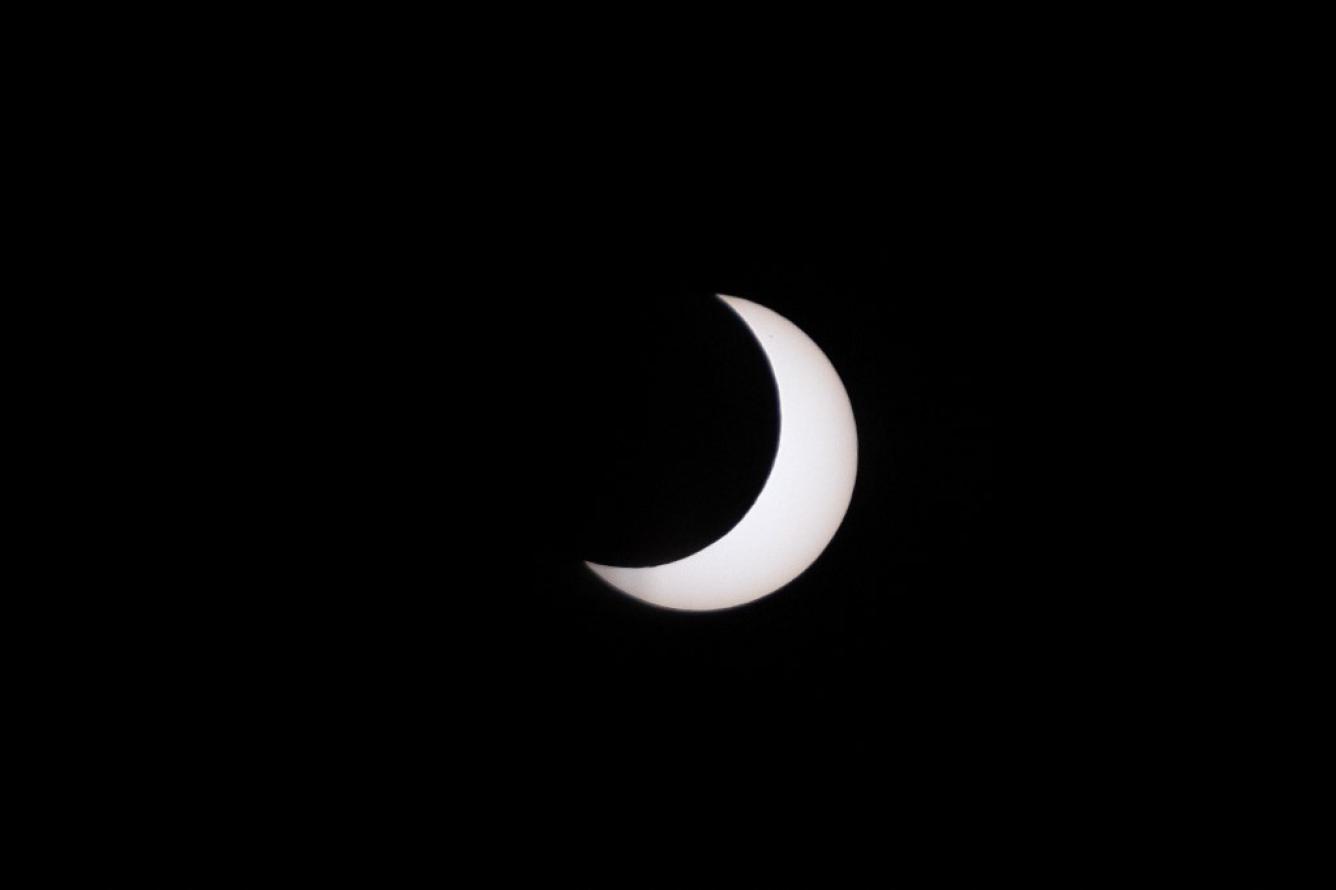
(804, 498)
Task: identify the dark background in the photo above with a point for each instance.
(459, 335)
(511, 360)
(591, 399)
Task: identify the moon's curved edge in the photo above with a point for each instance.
(602, 572)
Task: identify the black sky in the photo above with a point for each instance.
(523, 366)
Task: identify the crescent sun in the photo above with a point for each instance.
(804, 498)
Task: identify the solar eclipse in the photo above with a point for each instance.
(802, 503)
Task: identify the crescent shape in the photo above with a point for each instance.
(804, 498)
